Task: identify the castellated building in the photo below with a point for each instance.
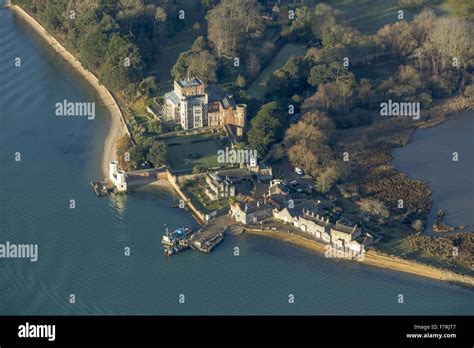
(117, 177)
(192, 104)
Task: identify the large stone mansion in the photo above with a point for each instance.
(192, 104)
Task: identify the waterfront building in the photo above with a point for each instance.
(345, 236)
(219, 187)
(117, 177)
(308, 221)
(314, 225)
(290, 214)
(287, 215)
(249, 212)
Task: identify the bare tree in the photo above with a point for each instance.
(374, 207)
(230, 23)
(450, 40)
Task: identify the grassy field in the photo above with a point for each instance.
(368, 16)
(459, 8)
(180, 148)
(258, 88)
(378, 71)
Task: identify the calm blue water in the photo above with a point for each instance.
(429, 158)
(81, 250)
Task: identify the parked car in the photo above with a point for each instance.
(294, 183)
(299, 171)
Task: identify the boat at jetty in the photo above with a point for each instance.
(184, 238)
(176, 241)
(100, 188)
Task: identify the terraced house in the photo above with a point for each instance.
(340, 235)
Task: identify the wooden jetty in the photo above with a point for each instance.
(181, 239)
(104, 188)
(207, 244)
(100, 188)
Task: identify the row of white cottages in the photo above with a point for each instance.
(338, 234)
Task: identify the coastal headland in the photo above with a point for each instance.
(117, 123)
(118, 128)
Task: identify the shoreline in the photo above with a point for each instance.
(374, 258)
(439, 120)
(117, 127)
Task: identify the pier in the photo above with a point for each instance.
(204, 240)
(100, 188)
(206, 244)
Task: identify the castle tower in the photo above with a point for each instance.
(113, 169)
(241, 115)
(121, 183)
(240, 119)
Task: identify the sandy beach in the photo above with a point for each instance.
(374, 258)
(117, 124)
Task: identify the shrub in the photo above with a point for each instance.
(469, 92)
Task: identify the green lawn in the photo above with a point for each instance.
(258, 88)
(179, 149)
(369, 16)
(459, 7)
(378, 71)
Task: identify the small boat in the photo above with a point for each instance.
(176, 241)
